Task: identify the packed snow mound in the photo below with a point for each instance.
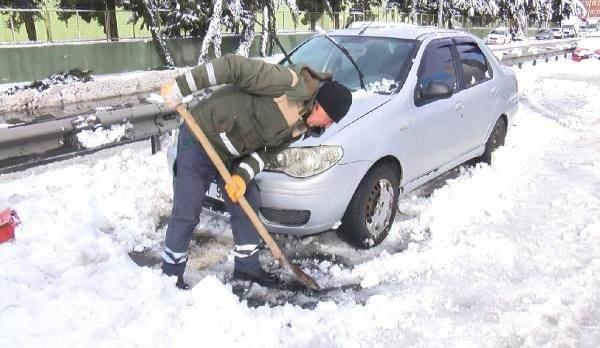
(63, 78)
(73, 91)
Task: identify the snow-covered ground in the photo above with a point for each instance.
(502, 256)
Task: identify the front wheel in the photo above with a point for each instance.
(495, 140)
(371, 211)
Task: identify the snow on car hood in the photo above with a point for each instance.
(362, 104)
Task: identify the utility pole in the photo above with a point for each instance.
(440, 17)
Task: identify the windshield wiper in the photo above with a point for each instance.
(272, 33)
(345, 51)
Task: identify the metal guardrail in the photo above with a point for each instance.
(26, 145)
(519, 53)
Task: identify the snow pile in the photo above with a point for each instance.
(384, 86)
(91, 138)
(502, 255)
(63, 78)
(101, 87)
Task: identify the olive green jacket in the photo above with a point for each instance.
(258, 111)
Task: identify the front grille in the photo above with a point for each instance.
(286, 217)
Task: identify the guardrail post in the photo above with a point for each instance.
(155, 143)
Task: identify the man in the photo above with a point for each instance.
(261, 109)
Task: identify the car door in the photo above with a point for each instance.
(436, 121)
(478, 90)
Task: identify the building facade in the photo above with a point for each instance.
(593, 9)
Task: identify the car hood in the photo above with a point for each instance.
(363, 103)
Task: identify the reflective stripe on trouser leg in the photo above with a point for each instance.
(195, 171)
(243, 251)
(172, 257)
(244, 233)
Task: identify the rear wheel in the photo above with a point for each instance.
(495, 140)
(371, 211)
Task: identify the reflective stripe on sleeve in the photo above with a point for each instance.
(261, 164)
(248, 170)
(190, 81)
(210, 71)
(228, 144)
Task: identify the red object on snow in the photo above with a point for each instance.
(8, 221)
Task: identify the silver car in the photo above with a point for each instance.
(425, 101)
(498, 36)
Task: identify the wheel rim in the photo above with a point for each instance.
(379, 207)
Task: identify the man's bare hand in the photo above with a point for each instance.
(236, 188)
(171, 94)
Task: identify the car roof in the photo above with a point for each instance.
(395, 30)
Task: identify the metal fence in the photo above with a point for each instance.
(45, 25)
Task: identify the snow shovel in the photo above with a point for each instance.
(262, 231)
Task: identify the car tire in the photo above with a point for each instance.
(495, 140)
(371, 211)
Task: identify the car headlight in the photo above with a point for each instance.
(303, 162)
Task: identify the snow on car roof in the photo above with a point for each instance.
(392, 29)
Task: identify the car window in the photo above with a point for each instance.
(498, 32)
(474, 66)
(381, 60)
(437, 65)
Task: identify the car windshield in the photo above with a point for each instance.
(381, 60)
(498, 32)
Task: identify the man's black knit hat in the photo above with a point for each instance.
(335, 98)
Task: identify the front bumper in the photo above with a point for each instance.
(324, 196)
(311, 205)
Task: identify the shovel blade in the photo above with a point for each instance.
(304, 278)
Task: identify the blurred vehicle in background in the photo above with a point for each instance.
(498, 36)
(544, 34)
(569, 30)
(557, 32)
(588, 48)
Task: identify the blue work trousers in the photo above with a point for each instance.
(194, 174)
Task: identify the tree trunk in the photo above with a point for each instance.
(29, 21)
(112, 18)
(272, 26)
(159, 43)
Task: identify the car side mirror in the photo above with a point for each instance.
(436, 90)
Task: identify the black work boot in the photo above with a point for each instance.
(249, 269)
(181, 284)
(261, 277)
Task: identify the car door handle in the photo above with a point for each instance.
(459, 106)
(494, 91)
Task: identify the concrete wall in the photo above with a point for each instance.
(27, 63)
